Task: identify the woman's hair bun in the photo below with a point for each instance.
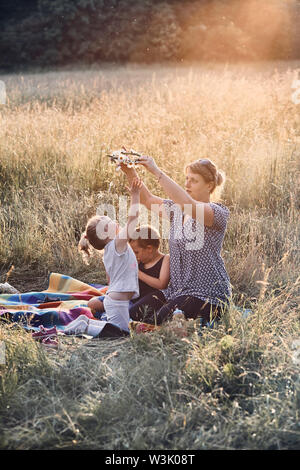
(220, 178)
(209, 171)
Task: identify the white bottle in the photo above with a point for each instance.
(179, 320)
(8, 289)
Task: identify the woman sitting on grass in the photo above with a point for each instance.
(154, 269)
(199, 283)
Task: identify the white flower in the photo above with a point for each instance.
(122, 157)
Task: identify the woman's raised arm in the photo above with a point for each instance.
(149, 200)
(196, 209)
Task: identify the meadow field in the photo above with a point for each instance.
(232, 387)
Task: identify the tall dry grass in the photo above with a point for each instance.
(231, 387)
(57, 128)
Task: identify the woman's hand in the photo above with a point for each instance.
(128, 171)
(148, 163)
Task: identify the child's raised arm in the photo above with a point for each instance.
(126, 233)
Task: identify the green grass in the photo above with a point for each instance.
(233, 387)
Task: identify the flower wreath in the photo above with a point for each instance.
(125, 157)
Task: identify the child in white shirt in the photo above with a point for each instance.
(120, 263)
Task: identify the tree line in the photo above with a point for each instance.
(43, 33)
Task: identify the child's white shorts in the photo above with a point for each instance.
(117, 312)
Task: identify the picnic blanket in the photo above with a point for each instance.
(62, 302)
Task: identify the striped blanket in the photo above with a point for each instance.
(62, 302)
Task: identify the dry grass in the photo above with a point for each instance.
(232, 387)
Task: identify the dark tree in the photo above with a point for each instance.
(49, 33)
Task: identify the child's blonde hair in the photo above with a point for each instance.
(89, 238)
